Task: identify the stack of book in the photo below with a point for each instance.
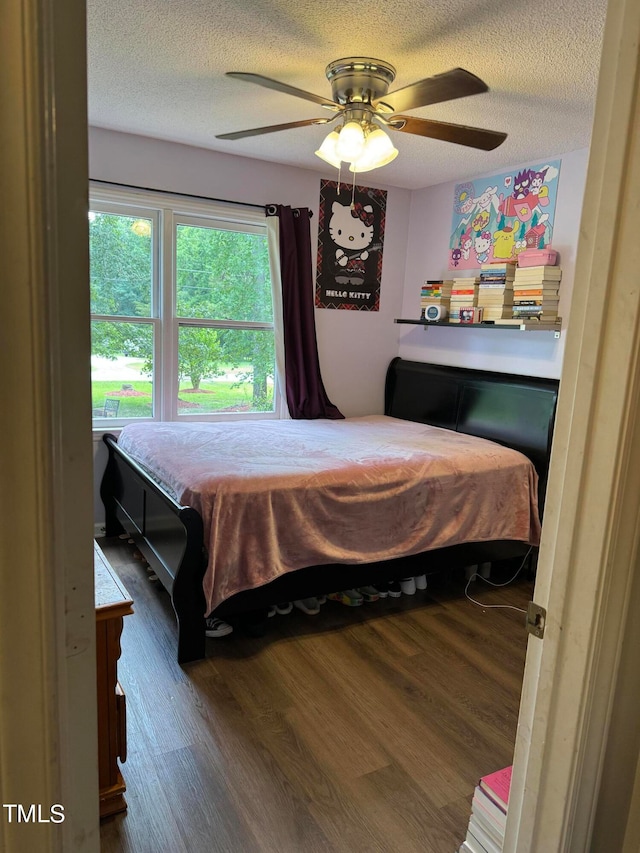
(535, 294)
(485, 833)
(435, 292)
(495, 290)
(464, 294)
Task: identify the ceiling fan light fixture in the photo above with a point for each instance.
(378, 151)
(361, 97)
(327, 150)
(350, 144)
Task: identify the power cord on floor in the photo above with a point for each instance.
(491, 583)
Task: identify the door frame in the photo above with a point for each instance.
(48, 719)
(578, 740)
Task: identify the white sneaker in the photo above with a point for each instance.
(216, 627)
(408, 586)
(309, 606)
(421, 581)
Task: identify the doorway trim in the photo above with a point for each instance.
(577, 744)
(48, 719)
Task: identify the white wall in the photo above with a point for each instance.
(533, 353)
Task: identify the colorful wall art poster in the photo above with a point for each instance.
(495, 218)
(350, 240)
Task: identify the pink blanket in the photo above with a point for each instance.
(278, 495)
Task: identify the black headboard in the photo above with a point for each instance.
(517, 411)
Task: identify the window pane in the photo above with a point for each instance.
(225, 370)
(121, 264)
(121, 364)
(222, 275)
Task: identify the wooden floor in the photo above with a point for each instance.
(361, 729)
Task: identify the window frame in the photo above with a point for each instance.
(167, 211)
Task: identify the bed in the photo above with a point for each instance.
(236, 517)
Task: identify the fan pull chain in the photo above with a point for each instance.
(353, 190)
(339, 172)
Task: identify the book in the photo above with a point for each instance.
(497, 786)
(534, 315)
(504, 266)
(495, 276)
(487, 822)
(482, 828)
(487, 275)
(435, 292)
(536, 282)
(537, 285)
(495, 299)
(551, 292)
(496, 315)
(482, 838)
(464, 287)
(472, 845)
(536, 293)
(488, 812)
(532, 311)
(542, 271)
(495, 291)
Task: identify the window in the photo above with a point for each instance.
(182, 320)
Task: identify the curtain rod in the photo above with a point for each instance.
(184, 195)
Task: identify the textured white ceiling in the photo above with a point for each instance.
(156, 68)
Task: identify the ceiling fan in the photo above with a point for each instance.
(360, 98)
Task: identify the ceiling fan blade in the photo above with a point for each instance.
(457, 83)
(268, 83)
(461, 134)
(272, 128)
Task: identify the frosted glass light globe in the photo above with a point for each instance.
(327, 150)
(378, 151)
(350, 144)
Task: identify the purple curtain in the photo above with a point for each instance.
(306, 395)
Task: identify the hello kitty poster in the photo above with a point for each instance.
(495, 218)
(350, 240)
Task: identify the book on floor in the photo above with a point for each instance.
(497, 786)
(488, 819)
(482, 839)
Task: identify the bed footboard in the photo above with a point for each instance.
(168, 535)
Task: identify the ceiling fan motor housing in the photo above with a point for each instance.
(359, 79)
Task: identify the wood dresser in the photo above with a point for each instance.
(112, 604)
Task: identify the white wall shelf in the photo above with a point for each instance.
(554, 327)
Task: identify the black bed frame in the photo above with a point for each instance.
(516, 411)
